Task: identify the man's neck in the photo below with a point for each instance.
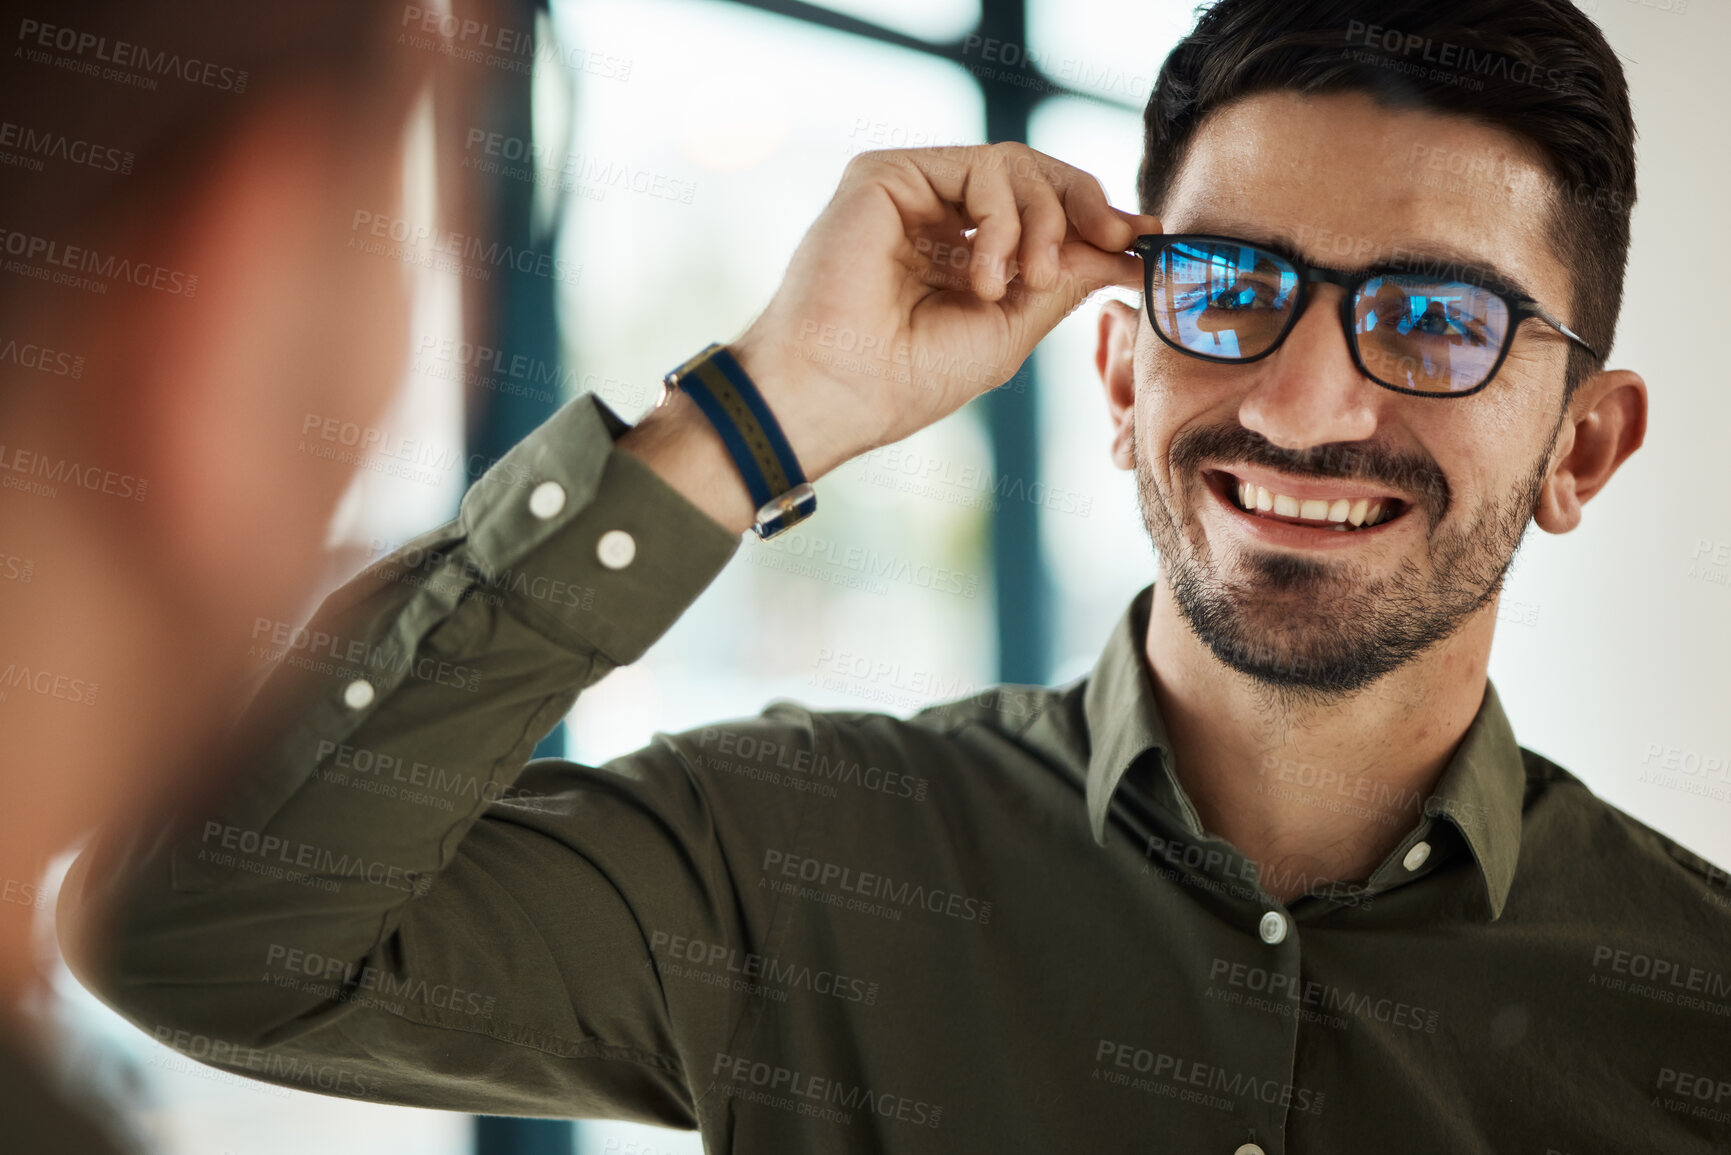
(1312, 793)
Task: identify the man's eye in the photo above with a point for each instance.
(1243, 295)
(1438, 322)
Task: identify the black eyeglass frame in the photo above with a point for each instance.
(1149, 246)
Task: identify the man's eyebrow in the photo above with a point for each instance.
(1432, 258)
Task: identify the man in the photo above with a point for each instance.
(176, 294)
(1274, 877)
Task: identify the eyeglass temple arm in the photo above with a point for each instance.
(1533, 308)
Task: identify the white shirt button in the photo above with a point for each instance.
(1273, 927)
(616, 549)
(547, 499)
(1249, 1149)
(1416, 856)
(358, 694)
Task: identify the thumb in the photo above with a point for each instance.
(1033, 313)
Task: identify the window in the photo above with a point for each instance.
(698, 179)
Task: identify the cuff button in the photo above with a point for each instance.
(547, 499)
(616, 549)
(358, 694)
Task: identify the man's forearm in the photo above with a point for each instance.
(681, 445)
(683, 448)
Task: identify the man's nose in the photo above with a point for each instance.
(1309, 392)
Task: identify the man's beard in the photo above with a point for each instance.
(1315, 629)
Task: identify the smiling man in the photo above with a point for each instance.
(1336, 464)
(1274, 877)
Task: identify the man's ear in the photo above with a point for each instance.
(1115, 358)
(1607, 421)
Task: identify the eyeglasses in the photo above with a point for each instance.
(1417, 332)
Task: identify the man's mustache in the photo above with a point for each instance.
(1414, 475)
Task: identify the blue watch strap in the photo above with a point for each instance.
(735, 375)
(727, 397)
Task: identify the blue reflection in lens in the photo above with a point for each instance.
(1429, 335)
(1222, 300)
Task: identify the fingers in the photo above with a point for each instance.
(1044, 226)
(1023, 203)
(1097, 221)
(1086, 269)
(992, 202)
(1141, 224)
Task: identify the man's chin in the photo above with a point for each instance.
(1268, 571)
(1275, 655)
(1293, 625)
(1317, 671)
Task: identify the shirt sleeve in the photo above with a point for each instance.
(390, 902)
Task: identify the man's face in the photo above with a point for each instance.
(1345, 183)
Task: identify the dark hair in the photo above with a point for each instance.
(1537, 69)
(118, 109)
(144, 94)
(155, 83)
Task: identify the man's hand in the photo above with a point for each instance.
(928, 280)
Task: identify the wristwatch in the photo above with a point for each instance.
(726, 395)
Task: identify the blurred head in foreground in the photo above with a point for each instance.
(180, 287)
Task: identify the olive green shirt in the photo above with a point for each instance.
(995, 926)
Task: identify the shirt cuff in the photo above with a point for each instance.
(588, 537)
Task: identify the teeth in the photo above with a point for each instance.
(1365, 511)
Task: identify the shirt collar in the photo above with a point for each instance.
(1480, 792)
(1124, 723)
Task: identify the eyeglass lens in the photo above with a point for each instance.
(1234, 301)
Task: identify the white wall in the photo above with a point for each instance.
(1628, 662)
